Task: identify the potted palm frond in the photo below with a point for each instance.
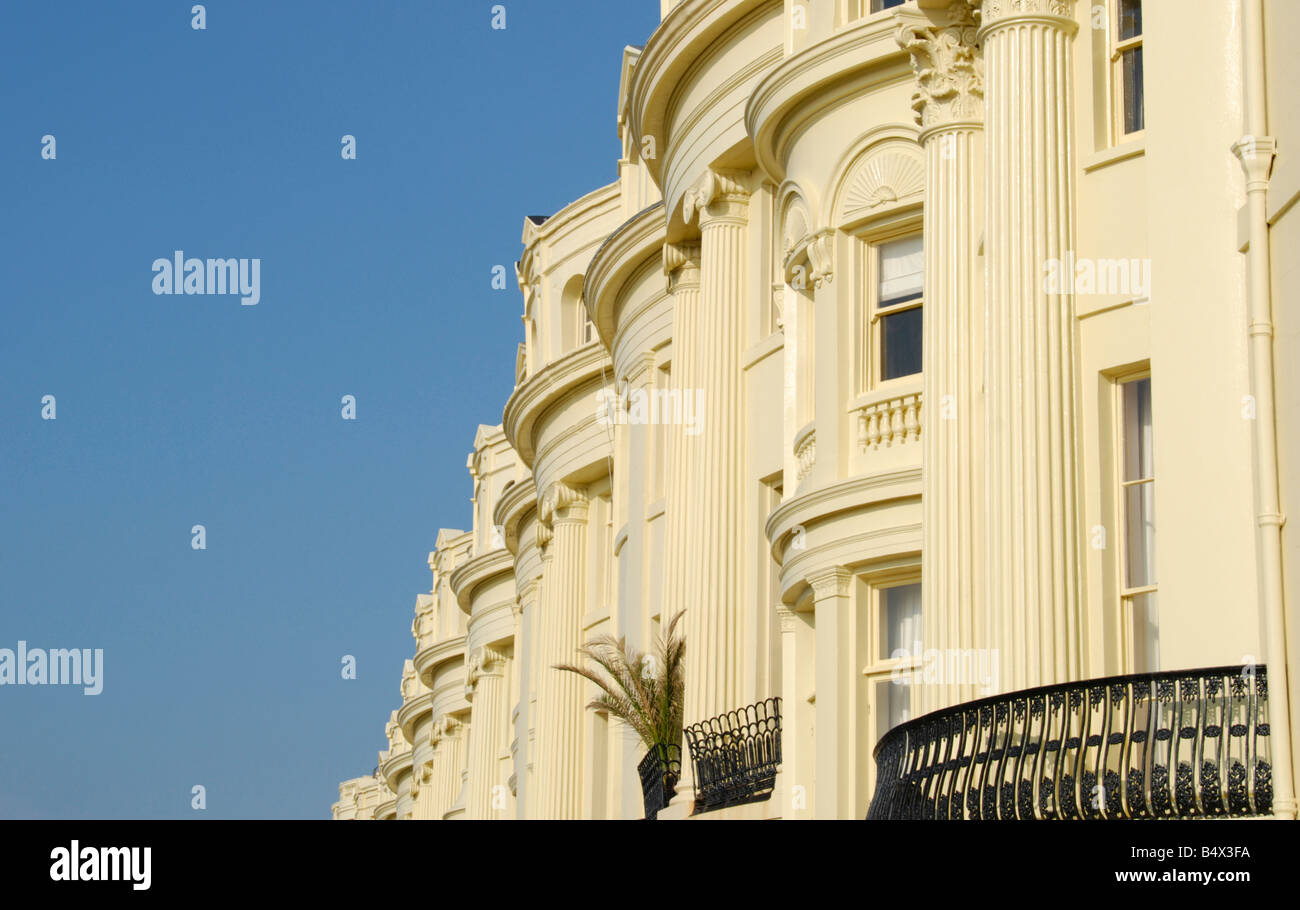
(647, 693)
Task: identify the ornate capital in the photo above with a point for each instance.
(563, 503)
(544, 535)
(682, 264)
(947, 62)
(833, 582)
(719, 194)
(485, 661)
(992, 13)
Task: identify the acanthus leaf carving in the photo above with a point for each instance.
(947, 62)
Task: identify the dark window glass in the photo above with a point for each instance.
(900, 344)
(1130, 19)
(878, 5)
(1134, 105)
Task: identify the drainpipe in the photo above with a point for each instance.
(1256, 151)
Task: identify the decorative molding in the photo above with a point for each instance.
(795, 226)
(682, 264)
(563, 503)
(787, 617)
(821, 257)
(832, 582)
(891, 175)
(947, 62)
(995, 12)
(718, 194)
(805, 454)
(485, 661)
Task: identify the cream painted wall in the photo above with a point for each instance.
(801, 116)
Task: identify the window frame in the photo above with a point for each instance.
(1116, 50)
(875, 314)
(1121, 563)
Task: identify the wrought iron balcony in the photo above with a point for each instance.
(736, 755)
(1181, 744)
(659, 771)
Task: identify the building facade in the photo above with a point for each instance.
(897, 337)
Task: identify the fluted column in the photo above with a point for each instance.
(682, 266)
(1031, 526)
(561, 694)
(447, 738)
(715, 512)
(525, 610)
(949, 105)
(486, 681)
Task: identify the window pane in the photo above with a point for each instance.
(1140, 533)
(901, 609)
(893, 704)
(1130, 19)
(878, 5)
(900, 344)
(1131, 73)
(902, 270)
(1139, 460)
(1146, 633)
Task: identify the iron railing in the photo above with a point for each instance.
(736, 755)
(659, 771)
(1181, 744)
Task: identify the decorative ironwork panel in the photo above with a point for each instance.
(659, 771)
(1180, 744)
(736, 755)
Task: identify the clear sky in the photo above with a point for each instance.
(221, 666)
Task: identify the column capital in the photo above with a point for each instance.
(787, 617)
(832, 582)
(564, 503)
(485, 661)
(544, 535)
(944, 45)
(527, 593)
(719, 196)
(993, 14)
(682, 265)
(446, 727)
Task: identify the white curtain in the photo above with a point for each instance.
(902, 269)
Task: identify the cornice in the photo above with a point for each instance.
(670, 54)
(544, 388)
(846, 495)
(569, 217)
(434, 656)
(620, 257)
(389, 807)
(410, 713)
(394, 765)
(478, 570)
(827, 72)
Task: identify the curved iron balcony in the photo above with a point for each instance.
(736, 755)
(659, 771)
(1180, 744)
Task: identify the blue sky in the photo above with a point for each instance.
(221, 666)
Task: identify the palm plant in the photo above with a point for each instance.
(646, 692)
